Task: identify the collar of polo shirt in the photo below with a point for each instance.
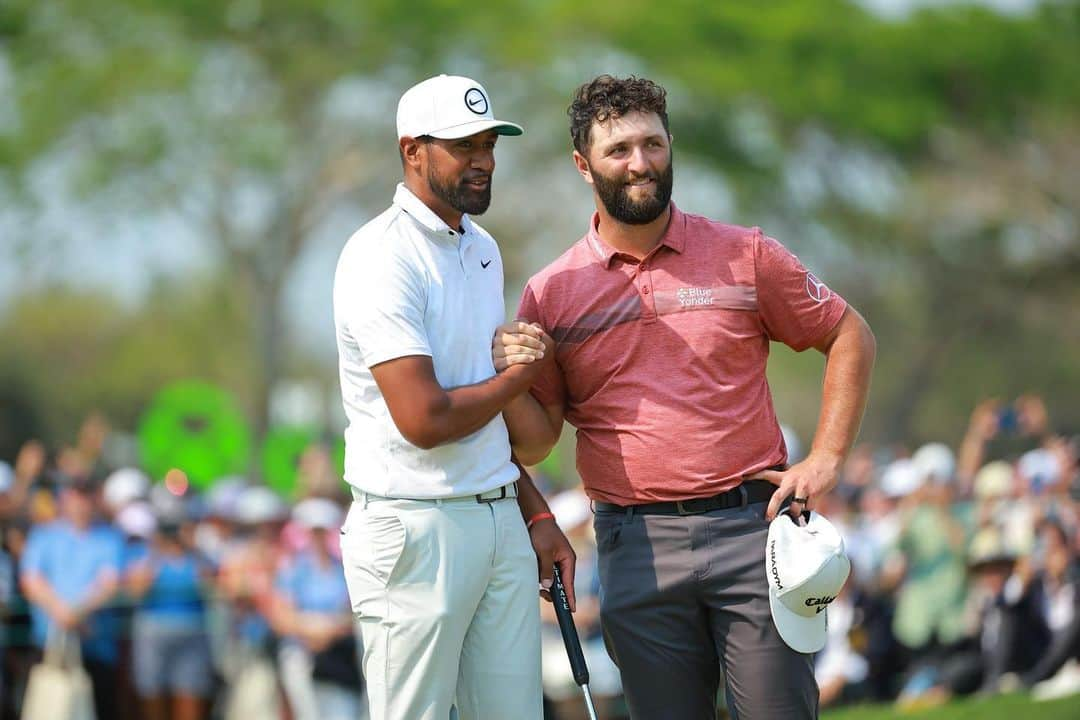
(674, 237)
(421, 213)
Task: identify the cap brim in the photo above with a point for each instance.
(803, 634)
(476, 126)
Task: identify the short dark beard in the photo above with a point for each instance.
(616, 197)
(458, 195)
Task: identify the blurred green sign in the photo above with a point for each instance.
(196, 427)
(281, 456)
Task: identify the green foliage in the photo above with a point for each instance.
(73, 351)
(185, 107)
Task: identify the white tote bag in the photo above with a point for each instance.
(58, 687)
(254, 689)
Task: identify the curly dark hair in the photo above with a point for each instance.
(607, 97)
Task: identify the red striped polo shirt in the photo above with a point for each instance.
(661, 363)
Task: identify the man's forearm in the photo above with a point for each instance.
(469, 408)
(40, 593)
(848, 366)
(428, 415)
(530, 500)
(531, 433)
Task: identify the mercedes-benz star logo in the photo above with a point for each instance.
(475, 101)
(816, 289)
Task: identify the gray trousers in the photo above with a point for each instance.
(684, 597)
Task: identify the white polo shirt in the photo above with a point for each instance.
(408, 284)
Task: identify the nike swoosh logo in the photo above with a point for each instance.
(484, 264)
(477, 101)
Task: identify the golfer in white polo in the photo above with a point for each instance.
(446, 538)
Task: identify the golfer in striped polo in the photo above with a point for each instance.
(661, 322)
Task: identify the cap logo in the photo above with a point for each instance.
(475, 101)
(820, 603)
(772, 564)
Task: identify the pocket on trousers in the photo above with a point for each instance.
(371, 552)
(608, 529)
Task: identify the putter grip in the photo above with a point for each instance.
(569, 631)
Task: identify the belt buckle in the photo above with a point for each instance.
(682, 509)
(502, 495)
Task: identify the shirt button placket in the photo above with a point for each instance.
(648, 297)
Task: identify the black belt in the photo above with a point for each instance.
(749, 492)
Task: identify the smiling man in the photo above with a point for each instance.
(441, 569)
(661, 323)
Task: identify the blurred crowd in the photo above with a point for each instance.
(231, 602)
(228, 603)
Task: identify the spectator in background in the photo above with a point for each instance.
(1059, 577)
(70, 572)
(999, 430)
(929, 555)
(17, 653)
(319, 655)
(167, 581)
(215, 531)
(15, 482)
(1007, 630)
(246, 575)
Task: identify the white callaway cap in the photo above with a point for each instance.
(448, 107)
(806, 567)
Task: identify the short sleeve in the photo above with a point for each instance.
(383, 306)
(796, 307)
(549, 388)
(32, 561)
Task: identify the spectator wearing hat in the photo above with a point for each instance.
(1005, 629)
(929, 556)
(1059, 577)
(70, 572)
(172, 669)
(318, 654)
(246, 573)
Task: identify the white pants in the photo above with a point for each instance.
(446, 598)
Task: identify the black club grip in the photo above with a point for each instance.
(569, 631)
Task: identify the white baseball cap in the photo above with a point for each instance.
(805, 566)
(259, 504)
(935, 460)
(318, 514)
(900, 478)
(448, 107)
(124, 486)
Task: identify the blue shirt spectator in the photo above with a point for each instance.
(314, 587)
(80, 567)
(175, 595)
